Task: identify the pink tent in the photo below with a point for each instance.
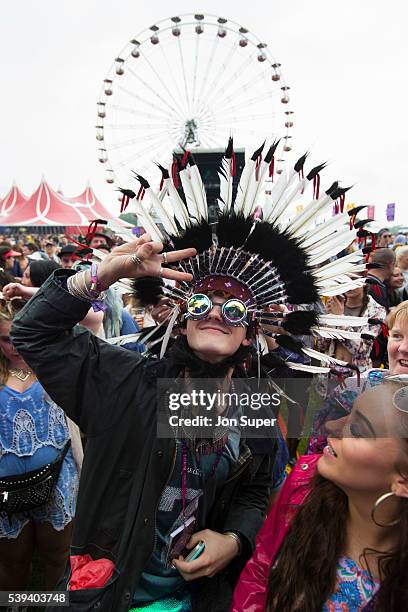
(44, 207)
(89, 205)
(14, 198)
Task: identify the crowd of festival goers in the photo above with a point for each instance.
(325, 541)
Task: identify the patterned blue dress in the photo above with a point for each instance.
(354, 588)
(33, 431)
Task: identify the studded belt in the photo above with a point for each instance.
(31, 490)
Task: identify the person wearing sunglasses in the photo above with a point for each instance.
(147, 500)
(384, 238)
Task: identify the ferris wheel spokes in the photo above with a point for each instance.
(189, 81)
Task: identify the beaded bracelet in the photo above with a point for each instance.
(77, 285)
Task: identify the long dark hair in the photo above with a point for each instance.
(304, 575)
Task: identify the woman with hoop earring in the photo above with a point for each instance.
(337, 537)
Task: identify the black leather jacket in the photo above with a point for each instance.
(111, 394)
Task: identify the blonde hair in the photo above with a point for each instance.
(400, 312)
(400, 252)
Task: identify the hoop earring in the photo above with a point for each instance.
(378, 503)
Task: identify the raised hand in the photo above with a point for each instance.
(142, 258)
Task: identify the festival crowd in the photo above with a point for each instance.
(313, 518)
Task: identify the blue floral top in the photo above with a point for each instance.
(354, 589)
(33, 431)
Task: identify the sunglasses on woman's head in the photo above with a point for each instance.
(233, 311)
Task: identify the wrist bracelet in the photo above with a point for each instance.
(78, 286)
(95, 284)
(235, 537)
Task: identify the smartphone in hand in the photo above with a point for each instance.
(196, 552)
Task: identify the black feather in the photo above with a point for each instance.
(127, 192)
(198, 236)
(233, 230)
(148, 290)
(164, 171)
(300, 162)
(271, 151)
(332, 189)
(142, 181)
(191, 159)
(314, 171)
(302, 290)
(276, 245)
(361, 223)
(362, 233)
(230, 148)
(356, 210)
(300, 322)
(339, 192)
(290, 343)
(257, 153)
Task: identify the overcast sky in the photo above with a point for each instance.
(346, 63)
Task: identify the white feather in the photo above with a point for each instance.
(120, 340)
(269, 205)
(340, 281)
(193, 210)
(335, 334)
(277, 195)
(339, 320)
(247, 177)
(307, 368)
(124, 231)
(313, 235)
(166, 219)
(226, 180)
(339, 272)
(256, 189)
(326, 359)
(323, 243)
(336, 245)
(339, 288)
(347, 260)
(179, 208)
(98, 255)
(312, 211)
(149, 225)
(169, 330)
(199, 191)
(288, 199)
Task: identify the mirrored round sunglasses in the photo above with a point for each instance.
(233, 311)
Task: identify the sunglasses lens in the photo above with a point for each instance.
(198, 306)
(234, 312)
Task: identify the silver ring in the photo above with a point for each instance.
(164, 255)
(136, 260)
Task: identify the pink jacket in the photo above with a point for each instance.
(250, 592)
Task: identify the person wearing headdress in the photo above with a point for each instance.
(146, 502)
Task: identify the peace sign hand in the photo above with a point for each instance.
(120, 263)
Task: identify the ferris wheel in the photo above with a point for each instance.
(189, 81)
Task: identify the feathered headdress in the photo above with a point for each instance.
(263, 262)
